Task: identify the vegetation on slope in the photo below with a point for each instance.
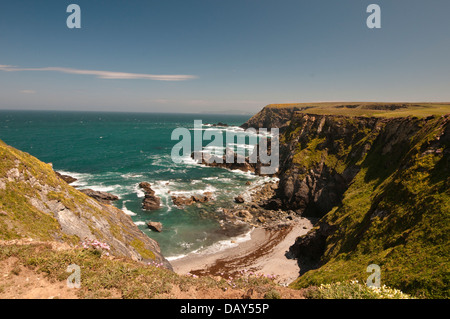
(104, 276)
(395, 213)
(375, 109)
(36, 203)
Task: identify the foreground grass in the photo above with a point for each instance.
(109, 277)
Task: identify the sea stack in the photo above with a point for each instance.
(151, 201)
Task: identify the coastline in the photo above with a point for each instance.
(264, 253)
(261, 250)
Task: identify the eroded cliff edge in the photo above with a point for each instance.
(36, 203)
(380, 186)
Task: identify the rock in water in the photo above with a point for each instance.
(151, 201)
(147, 188)
(156, 226)
(68, 179)
(186, 201)
(182, 200)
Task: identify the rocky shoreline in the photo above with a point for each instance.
(258, 209)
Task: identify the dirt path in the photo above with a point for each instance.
(19, 282)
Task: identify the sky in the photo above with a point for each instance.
(214, 56)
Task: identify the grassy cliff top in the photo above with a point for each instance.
(377, 109)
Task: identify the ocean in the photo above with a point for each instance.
(114, 152)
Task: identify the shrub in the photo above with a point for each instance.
(354, 290)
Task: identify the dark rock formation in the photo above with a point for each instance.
(220, 124)
(239, 199)
(150, 201)
(68, 179)
(102, 197)
(308, 249)
(147, 188)
(271, 117)
(238, 162)
(234, 161)
(181, 200)
(155, 226)
(255, 211)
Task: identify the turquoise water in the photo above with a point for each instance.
(114, 152)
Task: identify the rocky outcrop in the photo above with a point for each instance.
(311, 246)
(155, 226)
(40, 205)
(220, 124)
(68, 179)
(251, 163)
(239, 199)
(273, 116)
(150, 201)
(254, 209)
(102, 197)
(182, 200)
(238, 162)
(320, 158)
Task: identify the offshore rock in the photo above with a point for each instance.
(155, 226)
(68, 179)
(186, 201)
(150, 201)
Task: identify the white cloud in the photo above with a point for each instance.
(28, 91)
(110, 75)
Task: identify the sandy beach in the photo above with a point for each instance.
(263, 253)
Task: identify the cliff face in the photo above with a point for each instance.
(320, 156)
(36, 203)
(271, 117)
(381, 188)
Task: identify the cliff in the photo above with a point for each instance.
(379, 183)
(36, 203)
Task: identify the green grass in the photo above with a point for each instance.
(374, 109)
(103, 277)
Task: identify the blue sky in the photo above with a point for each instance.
(224, 55)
